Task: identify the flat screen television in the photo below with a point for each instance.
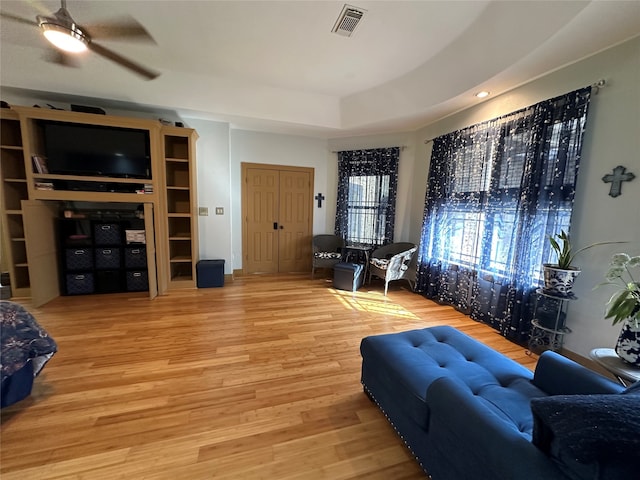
(96, 150)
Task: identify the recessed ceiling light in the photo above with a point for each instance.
(482, 94)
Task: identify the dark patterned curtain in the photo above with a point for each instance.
(495, 192)
(367, 182)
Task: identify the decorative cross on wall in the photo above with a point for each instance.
(616, 180)
(319, 197)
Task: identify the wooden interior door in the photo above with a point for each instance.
(42, 253)
(277, 208)
(294, 239)
(260, 252)
(149, 221)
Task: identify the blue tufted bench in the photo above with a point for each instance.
(464, 409)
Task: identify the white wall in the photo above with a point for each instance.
(258, 147)
(214, 190)
(612, 138)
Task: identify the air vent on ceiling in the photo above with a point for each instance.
(348, 20)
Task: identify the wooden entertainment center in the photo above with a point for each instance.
(31, 202)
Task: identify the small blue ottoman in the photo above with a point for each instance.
(348, 276)
(210, 273)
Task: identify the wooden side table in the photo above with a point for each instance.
(356, 254)
(623, 371)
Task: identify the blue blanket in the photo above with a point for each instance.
(25, 349)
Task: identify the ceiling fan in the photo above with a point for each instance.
(70, 38)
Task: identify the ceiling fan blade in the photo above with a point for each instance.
(125, 28)
(122, 61)
(61, 58)
(15, 18)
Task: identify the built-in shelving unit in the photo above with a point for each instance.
(180, 205)
(31, 198)
(14, 190)
(102, 254)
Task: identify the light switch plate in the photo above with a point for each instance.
(203, 211)
(219, 211)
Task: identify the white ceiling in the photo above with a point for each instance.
(276, 66)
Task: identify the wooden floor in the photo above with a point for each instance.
(259, 379)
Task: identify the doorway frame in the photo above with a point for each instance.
(244, 166)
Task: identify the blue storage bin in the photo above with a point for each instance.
(79, 283)
(210, 273)
(348, 276)
(78, 258)
(135, 257)
(137, 281)
(107, 258)
(107, 234)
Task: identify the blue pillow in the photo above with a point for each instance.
(587, 434)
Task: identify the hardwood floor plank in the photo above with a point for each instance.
(259, 379)
(68, 469)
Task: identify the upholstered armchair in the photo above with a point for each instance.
(396, 261)
(327, 251)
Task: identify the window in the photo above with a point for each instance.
(496, 191)
(367, 181)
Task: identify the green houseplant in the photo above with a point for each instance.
(559, 276)
(625, 302)
(624, 305)
(563, 250)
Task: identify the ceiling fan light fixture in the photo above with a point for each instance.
(68, 38)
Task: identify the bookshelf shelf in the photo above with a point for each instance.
(180, 200)
(14, 190)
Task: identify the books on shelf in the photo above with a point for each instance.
(148, 189)
(39, 164)
(44, 186)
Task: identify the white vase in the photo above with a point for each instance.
(559, 281)
(628, 344)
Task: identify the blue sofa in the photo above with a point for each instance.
(468, 412)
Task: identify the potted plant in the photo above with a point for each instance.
(624, 305)
(559, 277)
